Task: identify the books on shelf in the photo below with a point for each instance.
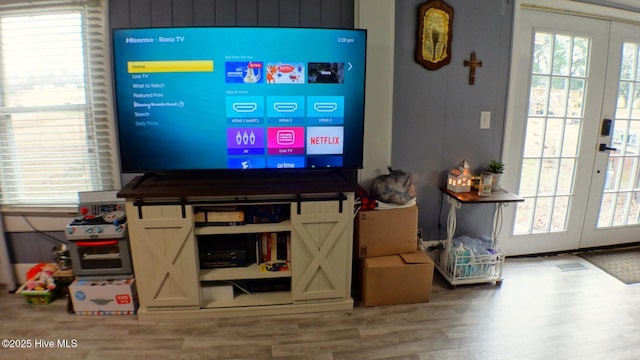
(275, 251)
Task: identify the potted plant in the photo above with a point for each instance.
(496, 167)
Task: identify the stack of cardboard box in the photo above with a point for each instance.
(390, 268)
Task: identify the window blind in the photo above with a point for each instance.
(56, 125)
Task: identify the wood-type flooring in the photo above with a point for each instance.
(539, 312)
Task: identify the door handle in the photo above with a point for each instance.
(604, 147)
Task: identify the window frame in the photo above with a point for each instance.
(100, 125)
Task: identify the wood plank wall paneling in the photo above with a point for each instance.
(140, 13)
(161, 13)
(286, 13)
(225, 13)
(119, 14)
(246, 12)
(347, 14)
(203, 12)
(330, 13)
(183, 13)
(268, 13)
(289, 13)
(310, 13)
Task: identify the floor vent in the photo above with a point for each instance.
(571, 267)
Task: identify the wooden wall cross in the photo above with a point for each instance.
(472, 63)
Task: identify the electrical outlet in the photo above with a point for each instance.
(485, 119)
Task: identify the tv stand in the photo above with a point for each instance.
(164, 245)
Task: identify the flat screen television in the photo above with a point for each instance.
(238, 98)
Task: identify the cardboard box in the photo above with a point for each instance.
(397, 279)
(104, 297)
(386, 232)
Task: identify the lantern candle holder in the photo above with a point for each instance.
(459, 180)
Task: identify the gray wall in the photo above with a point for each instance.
(436, 114)
(33, 247)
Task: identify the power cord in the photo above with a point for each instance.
(42, 232)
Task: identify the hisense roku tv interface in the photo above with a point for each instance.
(239, 98)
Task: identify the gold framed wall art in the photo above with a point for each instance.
(435, 22)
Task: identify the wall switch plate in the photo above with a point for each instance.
(485, 119)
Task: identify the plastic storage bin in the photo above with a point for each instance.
(38, 297)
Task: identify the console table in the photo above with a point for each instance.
(450, 267)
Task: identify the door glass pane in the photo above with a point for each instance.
(548, 176)
(571, 137)
(580, 56)
(561, 53)
(629, 170)
(538, 95)
(560, 211)
(625, 99)
(529, 185)
(621, 209)
(619, 205)
(634, 209)
(606, 211)
(565, 180)
(558, 96)
(524, 215)
(542, 215)
(543, 44)
(576, 98)
(628, 64)
(553, 138)
(533, 140)
(559, 82)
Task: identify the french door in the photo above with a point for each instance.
(579, 180)
(613, 210)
